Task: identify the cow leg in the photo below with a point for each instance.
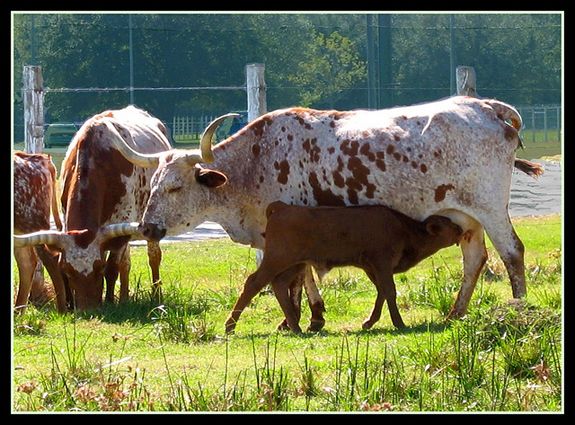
(511, 250)
(154, 260)
(39, 291)
(289, 279)
(124, 267)
(111, 273)
(253, 285)
(281, 288)
(474, 258)
(50, 261)
(314, 299)
(26, 261)
(382, 278)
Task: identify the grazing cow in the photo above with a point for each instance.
(453, 157)
(99, 188)
(377, 239)
(34, 197)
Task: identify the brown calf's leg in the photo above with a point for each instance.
(253, 285)
(382, 278)
(290, 279)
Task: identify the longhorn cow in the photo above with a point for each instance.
(453, 157)
(100, 188)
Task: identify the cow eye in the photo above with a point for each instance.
(174, 189)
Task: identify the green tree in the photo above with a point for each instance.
(331, 65)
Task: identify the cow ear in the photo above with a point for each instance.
(210, 178)
(433, 225)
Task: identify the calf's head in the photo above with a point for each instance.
(442, 232)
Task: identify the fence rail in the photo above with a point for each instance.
(189, 128)
(541, 123)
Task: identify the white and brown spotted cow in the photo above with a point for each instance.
(35, 201)
(100, 188)
(453, 157)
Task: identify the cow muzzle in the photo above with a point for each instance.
(152, 231)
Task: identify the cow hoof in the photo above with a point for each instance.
(283, 326)
(230, 327)
(366, 325)
(316, 325)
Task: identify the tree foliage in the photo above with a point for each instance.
(316, 60)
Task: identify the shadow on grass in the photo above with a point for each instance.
(409, 330)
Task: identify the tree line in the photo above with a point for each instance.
(317, 60)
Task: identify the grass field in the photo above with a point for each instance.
(175, 357)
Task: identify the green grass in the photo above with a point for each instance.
(175, 357)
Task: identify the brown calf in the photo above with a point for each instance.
(34, 196)
(377, 239)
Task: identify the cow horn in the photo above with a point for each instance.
(207, 136)
(136, 158)
(119, 229)
(42, 237)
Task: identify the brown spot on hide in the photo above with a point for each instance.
(397, 156)
(261, 179)
(283, 129)
(290, 137)
(396, 137)
(323, 197)
(310, 146)
(414, 164)
(380, 155)
(283, 168)
(349, 147)
(437, 153)
(258, 125)
(331, 149)
(405, 158)
(359, 177)
(423, 168)
(339, 164)
(441, 190)
(338, 179)
(352, 196)
(365, 150)
(332, 124)
(390, 149)
(256, 149)
(380, 163)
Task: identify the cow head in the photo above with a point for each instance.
(82, 259)
(177, 175)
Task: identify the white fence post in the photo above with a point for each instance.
(33, 109)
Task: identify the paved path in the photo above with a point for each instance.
(528, 197)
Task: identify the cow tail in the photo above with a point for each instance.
(530, 168)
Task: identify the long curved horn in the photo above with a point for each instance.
(207, 136)
(47, 237)
(136, 158)
(119, 229)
